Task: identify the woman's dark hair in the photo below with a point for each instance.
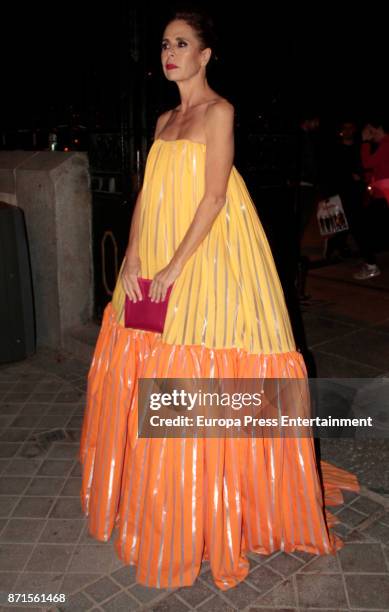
(201, 22)
(378, 120)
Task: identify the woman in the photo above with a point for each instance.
(178, 501)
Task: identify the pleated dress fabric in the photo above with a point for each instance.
(178, 501)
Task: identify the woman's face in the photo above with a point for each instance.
(181, 53)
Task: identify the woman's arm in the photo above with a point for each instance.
(132, 265)
(219, 131)
(133, 239)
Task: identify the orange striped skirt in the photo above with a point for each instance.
(178, 501)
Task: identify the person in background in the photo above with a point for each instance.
(375, 160)
(350, 187)
(312, 178)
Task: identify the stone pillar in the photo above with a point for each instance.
(53, 189)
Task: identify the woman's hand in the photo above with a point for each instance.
(130, 272)
(367, 133)
(162, 281)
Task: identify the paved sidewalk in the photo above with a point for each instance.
(44, 545)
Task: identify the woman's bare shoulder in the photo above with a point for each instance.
(220, 111)
(221, 103)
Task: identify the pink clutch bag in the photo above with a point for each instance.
(145, 314)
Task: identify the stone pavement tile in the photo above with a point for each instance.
(364, 558)
(9, 449)
(25, 421)
(263, 578)
(75, 422)
(37, 409)
(385, 519)
(79, 410)
(96, 559)
(283, 595)
(64, 450)
(69, 396)
(195, 594)
(253, 561)
(13, 486)
(7, 580)
(14, 434)
(145, 595)
(52, 421)
(61, 531)
(125, 575)
(78, 602)
(43, 486)
(7, 409)
(349, 497)
(323, 564)
(303, 555)
(5, 420)
(256, 609)
(350, 517)
(74, 434)
(6, 386)
(67, 508)
(71, 488)
(68, 409)
(120, 602)
(7, 503)
(102, 589)
(285, 564)
(357, 536)
(28, 386)
(321, 590)
(33, 507)
(10, 377)
(20, 530)
(35, 582)
(76, 471)
(50, 558)
(13, 557)
(48, 385)
(365, 505)
(32, 449)
(45, 398)
(3, 464)
(117, 563)
(243, 594)
(22, 467)
(385, 550)
(319, 329)
(342, 530)
(16, 397)
(173, 604)
(368, 591)
(75, 582)
(365, 346)
(379, 531)
(215, 604)
(364, 458)
(335, 366)
(55, 467)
